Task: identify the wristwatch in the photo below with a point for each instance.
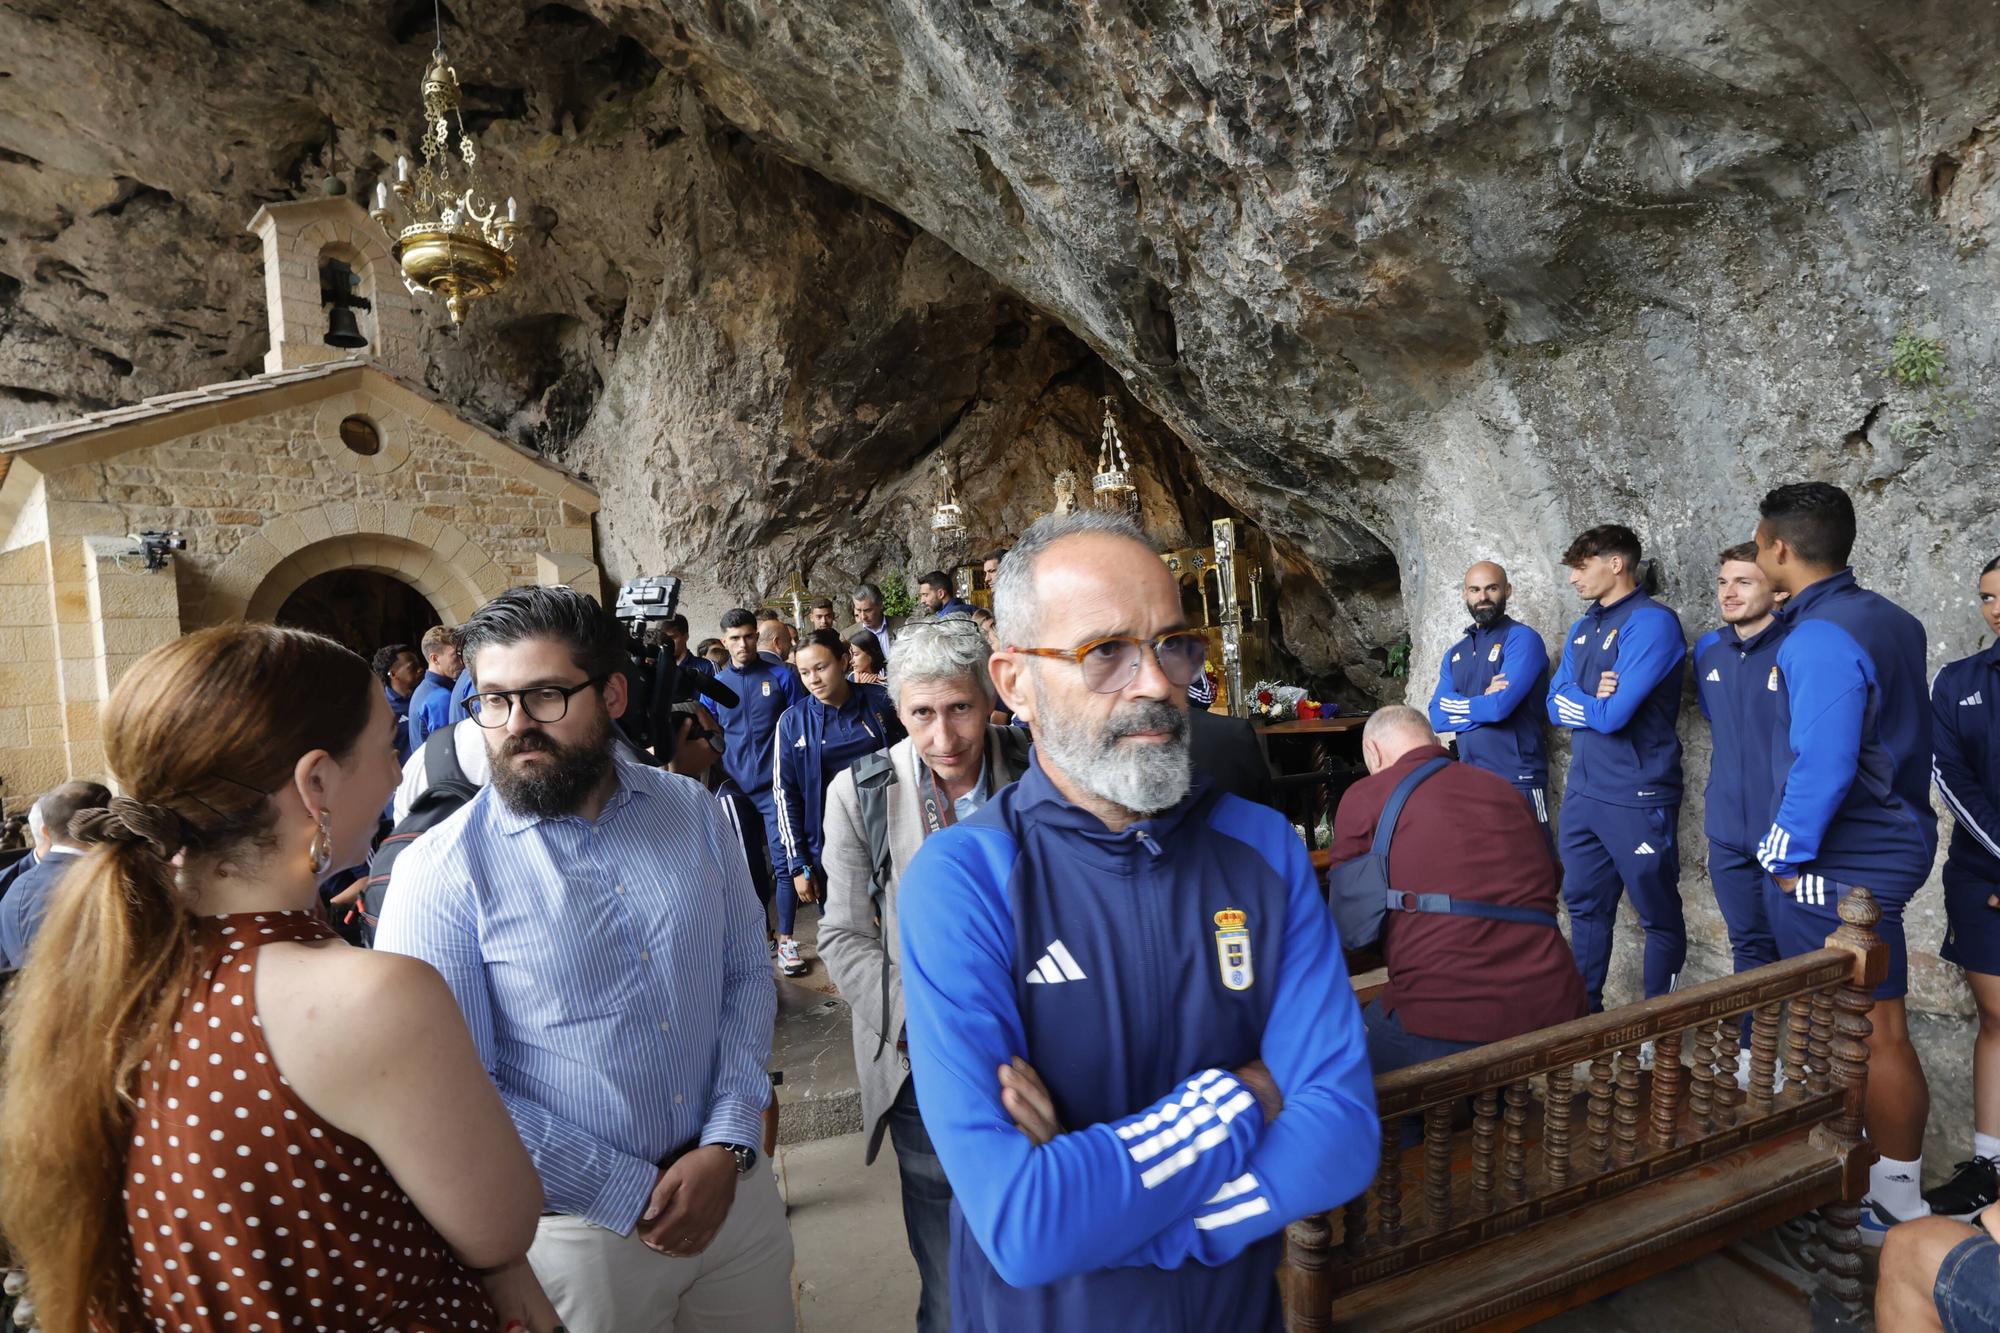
(745, 1157)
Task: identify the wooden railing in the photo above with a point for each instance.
(1569, 1117)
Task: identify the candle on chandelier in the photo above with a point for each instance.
(402, 168)
(510, 208)
(381, 197)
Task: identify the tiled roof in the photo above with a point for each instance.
(161, 404)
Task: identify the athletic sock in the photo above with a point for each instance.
(1897, 1186)
(1986, 1145)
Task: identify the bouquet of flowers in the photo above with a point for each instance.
(1273, 702)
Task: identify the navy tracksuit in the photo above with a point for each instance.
(1853, 803)
(1965, 765)
(1622, 808)
(764, 690)
(1495, 731)
(1133, 970)
(814, 745)
(1736, 683)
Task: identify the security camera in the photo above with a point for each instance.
(156, 546)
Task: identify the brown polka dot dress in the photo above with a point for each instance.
(246, 1211)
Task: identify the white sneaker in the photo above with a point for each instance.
(789, 961)
(1876, 1221)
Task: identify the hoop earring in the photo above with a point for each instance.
(320, 850)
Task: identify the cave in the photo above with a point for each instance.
(360, 608)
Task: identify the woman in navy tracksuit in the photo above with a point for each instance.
(1965, 766)
(817, 739)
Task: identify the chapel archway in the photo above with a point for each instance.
(361, 608)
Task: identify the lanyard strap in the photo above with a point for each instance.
(940, 812)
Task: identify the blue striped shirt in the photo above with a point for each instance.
(614, 977)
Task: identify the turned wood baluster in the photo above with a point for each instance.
(1437, 1164)
(1669, 1088)
(1514, 1149)
(1728, 1093)
(1555, 1129)
(1309, 1291)
(1354, 1225)
(1485, 1117)
(1389, 1191)
(1819, 1044)
(1625, 1123)
(1701, 1094)
(1763, 1058)
(1598, 1113)
(1847, 1049)
(1798, 1017)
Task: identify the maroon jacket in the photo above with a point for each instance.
(1468, 833)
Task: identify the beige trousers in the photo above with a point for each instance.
(602, 1282)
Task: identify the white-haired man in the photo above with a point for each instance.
(878, 814)
(1135, 972)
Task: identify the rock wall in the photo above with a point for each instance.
(1406, 285)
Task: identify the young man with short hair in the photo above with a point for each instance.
(1853, 804)
(593, 918)
(764, 690)
(400, 670)
(1618, 691)
(820, 614)
(27, 900)
(1735, 681)
(935, 595)
(430, 705)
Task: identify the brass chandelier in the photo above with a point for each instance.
(457, 247)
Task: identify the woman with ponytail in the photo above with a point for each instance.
(213, 1113)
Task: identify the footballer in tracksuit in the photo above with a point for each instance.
(1965, 767)
(1736, 684)
(1622, 805)
(817, 742)
(1495, 731)
(1133, 970)
(1853, 797)
(764, 690)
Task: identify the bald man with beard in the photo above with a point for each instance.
(1488, 692)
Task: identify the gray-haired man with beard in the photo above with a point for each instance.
(595, 920)
(1135, 973)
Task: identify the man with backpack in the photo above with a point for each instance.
(877, 815)
(1473, 948)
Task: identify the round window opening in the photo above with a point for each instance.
(359, 434)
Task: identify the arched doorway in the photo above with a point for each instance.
(361, 608)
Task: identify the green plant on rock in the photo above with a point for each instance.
(1918, 364)
(1396, 663)
(896, 599)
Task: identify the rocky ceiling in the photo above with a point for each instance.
(1405, 283)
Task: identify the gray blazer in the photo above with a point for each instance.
(854, 946)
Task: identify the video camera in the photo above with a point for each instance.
(643, 602)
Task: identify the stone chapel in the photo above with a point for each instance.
(330, 491)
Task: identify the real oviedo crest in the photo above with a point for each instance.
(1232, 949)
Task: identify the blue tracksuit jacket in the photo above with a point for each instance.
(764, 690)
(430, 707)
(1495, 732)
(816, 744)
(399, 708)
(1132, 970)
(1625, 750)
(1736, 682)
(1854, 778)
(1965, 759)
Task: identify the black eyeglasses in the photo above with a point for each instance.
(542, 703)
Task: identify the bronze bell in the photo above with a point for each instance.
(342, 330)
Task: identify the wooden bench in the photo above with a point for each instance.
(1586, 1168)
